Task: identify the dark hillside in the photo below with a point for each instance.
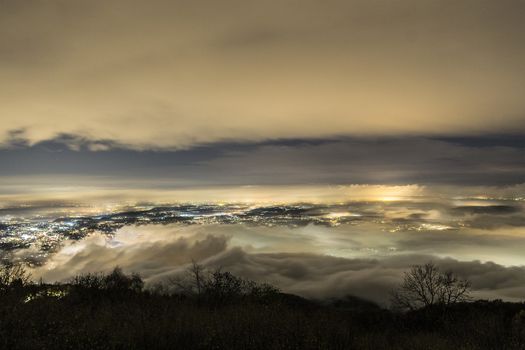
(114, 312)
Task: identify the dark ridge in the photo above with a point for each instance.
(114, 311)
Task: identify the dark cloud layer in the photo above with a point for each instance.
(337, 161)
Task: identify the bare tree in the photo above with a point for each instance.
(426, 285)
(454, 289)
(217, 285)
(13, 276)
(193, 282)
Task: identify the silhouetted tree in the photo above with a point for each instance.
(192, 281)
(88, 281)
(115, 282)
(13, 276)
(218, 285)
(426, 285)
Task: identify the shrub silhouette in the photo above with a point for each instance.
(94, 286)
(120, 282)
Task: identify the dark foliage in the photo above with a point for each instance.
(114, 312)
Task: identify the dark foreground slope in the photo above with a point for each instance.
(88, 316)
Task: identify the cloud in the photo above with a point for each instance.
(150, 253)
(373, 161)
(321, 276)
(312, 261)
(385, 160)
(175, 74)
